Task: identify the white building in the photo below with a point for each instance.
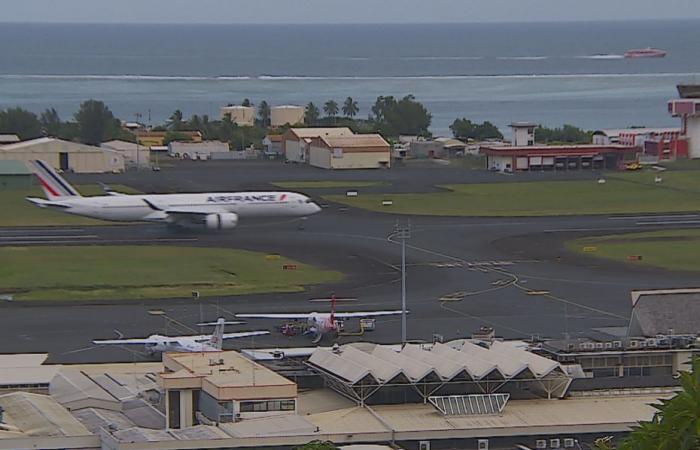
(243, 116)
(297, 140)
(197, 150)
(65, 155)
(523, 133)
(286, 114)
(134, 154)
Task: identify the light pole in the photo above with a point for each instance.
(138, 119)
(403, 232)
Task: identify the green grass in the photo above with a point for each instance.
(136, 272)
(670, 249)
(326, 184)
(18, 212)
(623, 193)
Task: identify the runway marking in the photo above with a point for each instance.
(675, 216)
(568, 230)
(98, 241)
(670, 222)
(42, 230)
(86, 236)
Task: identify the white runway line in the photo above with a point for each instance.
(670, 222)
(85, 236)
(41, 230)
(675, 216)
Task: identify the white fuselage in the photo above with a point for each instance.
(167, 344)
(131, 208)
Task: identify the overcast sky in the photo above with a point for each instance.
(341, 11)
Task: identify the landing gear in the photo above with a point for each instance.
(302, 224)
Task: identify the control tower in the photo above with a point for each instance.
(688, 109)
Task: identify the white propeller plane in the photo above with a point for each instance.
(202, 343)
(321, 323)
(214, 211)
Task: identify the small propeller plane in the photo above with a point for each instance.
(321, 323)
(203, 343)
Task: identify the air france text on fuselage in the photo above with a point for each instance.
(244, 198)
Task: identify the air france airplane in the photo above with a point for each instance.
(215, 211)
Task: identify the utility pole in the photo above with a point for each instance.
(403, 232)
(138, 159)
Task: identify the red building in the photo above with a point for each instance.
(559, 157)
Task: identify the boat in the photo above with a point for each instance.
(645, 53)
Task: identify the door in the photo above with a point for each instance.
(63, 161)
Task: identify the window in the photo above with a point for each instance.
(554, 443)
(483, 444)
(569, 443)
(541, 443)
(268, 405)
(424, 445)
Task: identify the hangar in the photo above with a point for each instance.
(65, 155)
(558, 157)
(665, 311)
(296, 141)
(14, 175)
(358, 151)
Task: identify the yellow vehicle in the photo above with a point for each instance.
(633, 166)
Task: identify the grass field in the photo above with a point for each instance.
(17, 212)
(670, 249)
(622, 193)
(135, 272)
(326, 184)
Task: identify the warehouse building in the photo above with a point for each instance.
(243, 116)
(558, 157)
(134, 154)
(158, 138)
(273, 145)
(297, 141)
(65, 155)
(359, 151)
(665, 312)
(14, 175)
(286, 115)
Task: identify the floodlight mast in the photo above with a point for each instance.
(403, 232)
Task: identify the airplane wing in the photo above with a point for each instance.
(349, 315)
(243, 334)
(124, 341)
(275, 316)
(186, 210)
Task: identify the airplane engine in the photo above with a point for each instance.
(223, 221)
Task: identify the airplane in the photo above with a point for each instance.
(320, 323)
(214, 211)
(203, 343)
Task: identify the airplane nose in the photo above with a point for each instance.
(315, 208)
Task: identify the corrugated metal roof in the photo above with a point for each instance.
(670, 311)
(39, 415)
(13, 376)
(356, 140)
(318, 132)
(10, 167)
(23, 360)
(286, 425)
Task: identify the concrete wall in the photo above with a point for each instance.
(320, 157)
(361, 160)
(693, 134)
(293, 150)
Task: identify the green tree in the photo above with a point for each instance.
(246, 102)
(350, 108)
(21, 122)
(51, 122)
(96, 123)
(317, 445)
(331, 109)
(568, 134)
(466, 129)
(311, 114)
(406, 116)
(264, 114)
(175, 121)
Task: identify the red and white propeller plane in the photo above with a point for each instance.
(321, 323)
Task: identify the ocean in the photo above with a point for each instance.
(550, 73)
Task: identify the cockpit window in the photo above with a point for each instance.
(308, 200)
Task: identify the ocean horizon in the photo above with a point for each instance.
(550, 73)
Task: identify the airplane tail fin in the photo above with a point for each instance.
(217, 337)
(54, 186)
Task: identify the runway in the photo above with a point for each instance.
(463, 273)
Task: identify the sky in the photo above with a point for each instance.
(341, 11)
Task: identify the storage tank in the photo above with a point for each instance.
(286, 114)
(240, 115)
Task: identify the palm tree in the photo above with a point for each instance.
(175, 121)
(246, 102)
(311, 114)
(264, 113)
(331, 109)
(350, 108)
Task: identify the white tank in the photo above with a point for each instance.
(286, 114)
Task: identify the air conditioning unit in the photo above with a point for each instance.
(569, 443)
(423, 445)
(541, 443)
(554, 443)
(483, 444)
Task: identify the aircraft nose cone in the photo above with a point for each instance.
(315, 208)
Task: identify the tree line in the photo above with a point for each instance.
(389, 116)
